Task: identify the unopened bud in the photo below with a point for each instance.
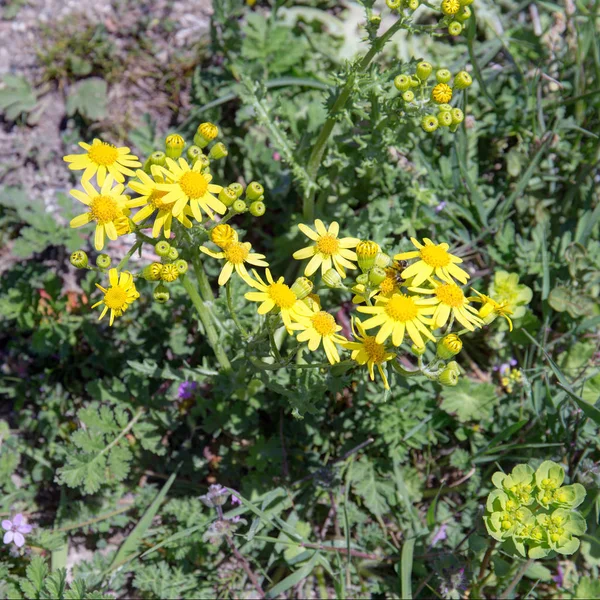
(205, 134)
(162, 248)
(376, 275)
(156, 158)
(444, 119)
(238, 188)
(169, 273)
(464, 14)
(257, 209)
(193, 153)
(462, 80)
(424, 70)
(455, 28)
(223, 235)
(458, 116)
(408, 96)
(79, 259)
(443, 76)
(174, 145)
(152, 272)
(254, 190)
(227, 196)
(449, 346)
(449, 376)
(103, 261)
(173, 253)
(161, 293)
(402, 83)
(332, 279)
(239, 206)
(363, 279)
(218, 151)
(302, 287)
(181, 266)
(367, 251)
(418, 350)
(383, 260)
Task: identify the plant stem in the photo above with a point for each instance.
(314, 161)
(246, 567)
(486, 559)
(205, 317)
(203, 283)
(513, 584)
(234, 316)
(131, 252)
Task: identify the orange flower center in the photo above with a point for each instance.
(387, 286)
(435, 256)
(116, 298)
(401, 308)
(328, 244)
(323, 323)
(194, 185)
(282, 295)
(236, 253)
(375, 351)
(104, 209)
(450, 294)
(103, 154)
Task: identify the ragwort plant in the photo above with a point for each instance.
(337, 311)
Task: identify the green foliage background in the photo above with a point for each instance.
(99, 449)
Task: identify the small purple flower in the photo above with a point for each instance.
(559, 577)
(440, 207)
(439, 535)
(217, 496)
(16, 530)
(186, 390)
(235, 499)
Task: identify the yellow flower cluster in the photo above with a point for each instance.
(455, 13)
(169, 186)
(430, 102)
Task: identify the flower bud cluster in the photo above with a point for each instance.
(534, 510)
(429, 97)
(454, 13)
(166, 271)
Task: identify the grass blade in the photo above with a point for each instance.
(406, 565)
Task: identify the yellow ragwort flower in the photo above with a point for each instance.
(105, 208)
(397, 315)
(321, 327)
(328, 250)
(120, 294)
(433, 259)
(101, 159)
(222, 235)
(491, 309)
(153, 199)
(187, 184)
(235, 255)
(277, 296)
(366, 351)
(441, 93)
(449, 299)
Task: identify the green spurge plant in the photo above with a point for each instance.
(534, 511)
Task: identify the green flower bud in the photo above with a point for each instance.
(393, 4)
(332, 279)
(458, 116)
(79, 259)
(449, 376)
(376, 275)
(450, 7)
(227, 196)
(205, 134)
(152, 272)
(466, 2)
(162, 248)
(402, 83)
(449, 346)
(156, 158)
(174, 145)
(444, 107)
(161, 293)
(181, 266)
(429, 123)
(444, 119)
(418, 350)
(443, 76)
(103, 261)
(413, 4)
(464, 14)
(193, 153)
(218, 151)
(254, 190)
(239, 206)
(173, 253)
(455, 28)
(204, 163)
(383, 260)
(366, 251)
(424, 70)
(462, 80)
(257, 209)
(302, 287)
(363, 279)
(169, 273)
(408, 96)
(238, 188)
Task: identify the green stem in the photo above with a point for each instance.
(131, 252)
(314, 161)
(513, 584)
(234, 316)
(203, 283)
(205, 317)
